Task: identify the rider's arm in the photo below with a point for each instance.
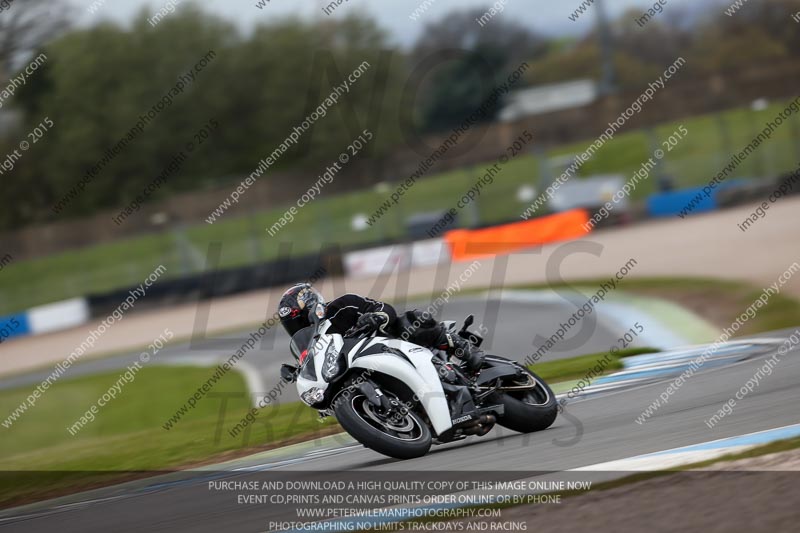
(344, 312)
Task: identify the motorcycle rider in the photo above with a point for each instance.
(354, 311)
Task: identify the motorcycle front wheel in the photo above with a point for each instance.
(403, 436)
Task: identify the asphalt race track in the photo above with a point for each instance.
(597, 429)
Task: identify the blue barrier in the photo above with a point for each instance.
(14, 326)
(693, 200)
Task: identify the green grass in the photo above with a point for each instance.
(100, 268)
(780, 312)
(127, 435)
(728, 299)
(580, 366)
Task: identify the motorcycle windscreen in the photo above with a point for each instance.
(300, 342)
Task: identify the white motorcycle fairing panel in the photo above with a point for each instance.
(413, 367)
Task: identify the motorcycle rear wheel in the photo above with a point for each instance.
(529, 410)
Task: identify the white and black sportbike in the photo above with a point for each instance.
(398, 398)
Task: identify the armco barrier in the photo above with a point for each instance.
(744, 194)
(70, 313)
(474, 244)
(223, 282)
(789, 182)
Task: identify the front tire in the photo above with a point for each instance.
(402, 438)
(530, 410)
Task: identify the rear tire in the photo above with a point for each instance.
(528, 411)
(406, 438)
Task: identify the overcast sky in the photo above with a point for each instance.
(547, 16)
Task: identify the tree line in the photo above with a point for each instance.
(99, 82)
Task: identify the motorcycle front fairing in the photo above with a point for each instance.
(407, 362)
(410, 364)
(323, 352)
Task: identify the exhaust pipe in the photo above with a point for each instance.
(483, 425)
(488, 418)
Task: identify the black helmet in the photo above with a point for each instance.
(295, 305)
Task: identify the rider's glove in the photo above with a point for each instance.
(373, 321)
(472, 356)
(289, 373)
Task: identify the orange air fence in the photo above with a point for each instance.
(466, 244)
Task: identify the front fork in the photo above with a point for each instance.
(377, 398)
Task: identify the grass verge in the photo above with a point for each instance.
(580, 366)
(127, 435)
(719, 302)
